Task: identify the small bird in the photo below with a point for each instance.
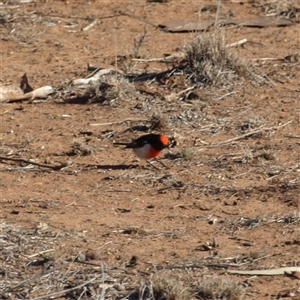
(147, 146)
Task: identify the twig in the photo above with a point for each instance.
(229, 213)
(272, 82)
(86, 28)
(220, 265)
(42, 252)
(58, 167)
(186, 90)
(251, 133)
(159, 59)
(225, 95)
(214, 265)
(279, 271)
(241, 42)
(292, 136)
(95, 79)
(121, 13)
(65, 291)
(266, 58)
(42, 92)
(117, 122)
(104, 244)
(27, 281)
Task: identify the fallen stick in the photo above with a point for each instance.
(86, 28)
(48, 296)
(238, 43)
(159, 59)
(293, 136)
(41, 93)
(266, 58)
(95, 79)
(251, 133)
(117, 122)
(53, 167)
(21, 90)
(28, 281)
(279, 271)
(39, 253)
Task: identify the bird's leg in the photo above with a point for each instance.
(149, 163)
(162, 163)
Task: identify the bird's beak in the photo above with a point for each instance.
(172, 143)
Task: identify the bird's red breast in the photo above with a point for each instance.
(152, 152)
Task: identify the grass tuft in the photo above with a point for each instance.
(164, 288)
(285, 8)
(80, 148)
(220, 288)
(210, 62)
(158, 122)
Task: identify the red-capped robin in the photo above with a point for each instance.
(147, 146)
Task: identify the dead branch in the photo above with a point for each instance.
(251, 133)
(39, 253)
(27, 281)
(279, 271)
(86, 28)
(65, 291)
(9, 95)
(169, 58)
(95, 79)
(117, 122)
(53, 167)
(238, 43)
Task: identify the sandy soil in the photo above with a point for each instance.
(222, 203)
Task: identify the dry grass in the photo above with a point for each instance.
(187, 154)
(121, 90)
(161, 287)
(293, 57)
(287, 8)
(127, 63)
(44, 272)
(33, 268)
(220, 288)
(210, 62)
(135, 230)
(284, 220)
(112, 90)
(167, 289)
(158, 121)
(138, 42)
(197, 114)
(80, 148)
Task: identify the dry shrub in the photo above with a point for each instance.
(287, 8)
(220, 288)
(164, 288)
(80, 148)
(135, 230)
(294, 57)
(210, 62)
(112, 89)
(121, 89)
(186, 154)
(158, 121)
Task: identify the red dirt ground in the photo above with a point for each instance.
(243, 194)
